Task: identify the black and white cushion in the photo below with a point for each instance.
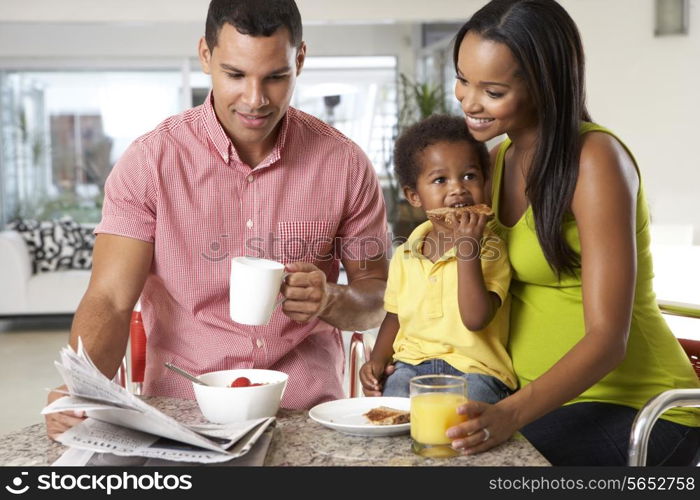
(56, 244)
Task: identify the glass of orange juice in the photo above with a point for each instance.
(434, 402)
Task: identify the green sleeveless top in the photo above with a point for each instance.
(547, 314)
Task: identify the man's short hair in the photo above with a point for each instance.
(417, 137)
(254, 18)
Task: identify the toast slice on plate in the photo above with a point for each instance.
(384, 415)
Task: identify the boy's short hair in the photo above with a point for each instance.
(254, 18)
(426, 132)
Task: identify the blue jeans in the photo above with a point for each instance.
(599, 433)
(479, 387)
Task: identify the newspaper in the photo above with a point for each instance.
(74, 457)
(122, 424)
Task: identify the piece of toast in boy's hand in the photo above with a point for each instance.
(451, 214)
(384, 415)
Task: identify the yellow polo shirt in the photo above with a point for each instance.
(423, 295)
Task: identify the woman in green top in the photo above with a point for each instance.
(587, 339)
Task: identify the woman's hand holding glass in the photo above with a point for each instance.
(487, 426)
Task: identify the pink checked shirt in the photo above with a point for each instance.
(182, 186)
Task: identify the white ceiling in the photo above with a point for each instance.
(152, 11)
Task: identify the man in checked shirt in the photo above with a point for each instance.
(242, 174)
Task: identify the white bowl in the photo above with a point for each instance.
(222, 404)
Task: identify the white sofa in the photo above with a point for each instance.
(24, 294)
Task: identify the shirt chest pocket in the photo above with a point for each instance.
(305, 241)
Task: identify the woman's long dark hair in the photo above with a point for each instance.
(547, 46)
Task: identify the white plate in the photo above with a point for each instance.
(345, 415)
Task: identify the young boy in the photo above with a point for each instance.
(446, 298)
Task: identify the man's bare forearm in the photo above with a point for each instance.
(104, 331)
(357, 306)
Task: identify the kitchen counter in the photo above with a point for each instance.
(297, 441)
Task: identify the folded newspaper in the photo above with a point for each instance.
(122, 424)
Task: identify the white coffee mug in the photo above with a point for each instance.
(253, 289)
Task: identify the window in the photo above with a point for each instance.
(62, 131)
(356, 95)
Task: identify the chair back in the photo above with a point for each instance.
(692, 349)
(361, 344)
(684, 311)
(137, 339)
(359, 354)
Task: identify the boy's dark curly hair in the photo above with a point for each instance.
(419, 136)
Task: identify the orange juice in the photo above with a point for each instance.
(432, 413)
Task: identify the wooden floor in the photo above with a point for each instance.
(28, 348)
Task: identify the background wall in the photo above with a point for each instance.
(643, 87)
(646, 89)
(312, 11)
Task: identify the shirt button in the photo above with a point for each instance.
(249, 224)
(433, 279)
(259, 343)
(251, 178)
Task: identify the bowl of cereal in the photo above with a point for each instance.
(238, 395)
